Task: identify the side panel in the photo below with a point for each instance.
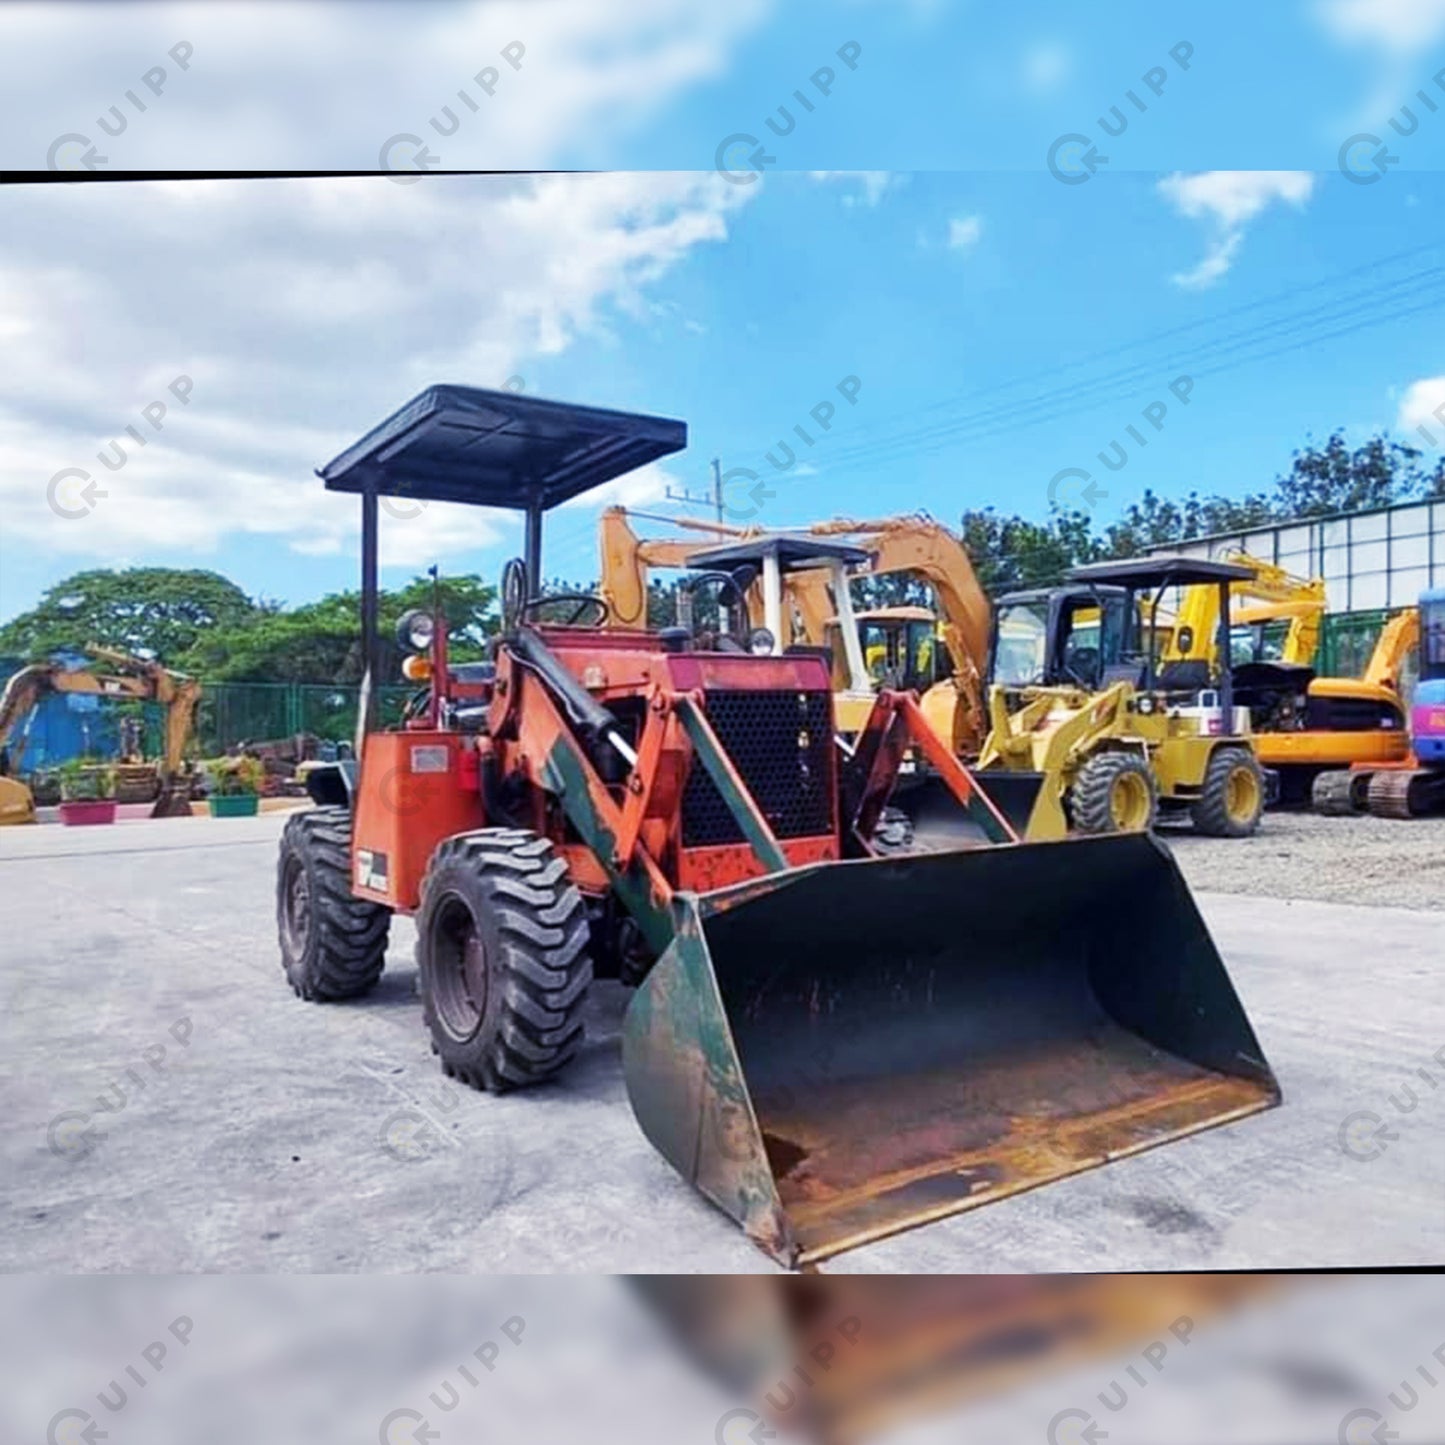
(411, 796)
(1427, 722)
(1336, 749)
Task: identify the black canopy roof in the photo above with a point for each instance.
(499, 449)
(1138, 572)
(792, 553)
(1043, 594)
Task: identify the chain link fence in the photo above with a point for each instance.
(232, 713)
(1346, 642)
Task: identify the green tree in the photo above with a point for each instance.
(1012, 551)
(321, 641)
(158, 610)
(1336, 478)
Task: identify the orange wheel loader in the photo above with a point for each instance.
(831, 1043)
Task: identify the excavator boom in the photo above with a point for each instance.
(135, 679)
(1272, 595)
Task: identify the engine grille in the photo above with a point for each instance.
(1351, 715)
(781, 742)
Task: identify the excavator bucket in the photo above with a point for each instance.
(837, 1053)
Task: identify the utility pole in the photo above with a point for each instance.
(715, 501)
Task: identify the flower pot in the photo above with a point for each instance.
(82, 812)
(233, 805)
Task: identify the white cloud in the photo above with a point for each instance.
(1401, 26)
(1046, 67)
(1395, 37)
(964, 232)
(871, 186)
(1422, 412)
(454, 279)
(314, 84)
(1228, 201)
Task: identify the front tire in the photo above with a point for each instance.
(1114, 793)
(1231, 801)
(502, 954)
(333, 945)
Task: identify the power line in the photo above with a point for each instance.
(1032, 378)
(1112, 384)
(860, 460)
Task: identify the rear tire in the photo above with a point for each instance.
(502, 954)
(1114, 793)
(333, 945)
(1231, 801)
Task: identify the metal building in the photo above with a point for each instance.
(1373, 563)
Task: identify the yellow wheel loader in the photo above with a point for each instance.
(1082, 709)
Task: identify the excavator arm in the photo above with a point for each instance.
(1398, 639)
(1276, 595)
(917, 546)
(22, 691)
(136, 680)
(627, 560)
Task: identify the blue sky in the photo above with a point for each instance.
(810, 288)
(999, 321)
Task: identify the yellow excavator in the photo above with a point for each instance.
(1306, 725)
(1271, 595)
(940, 655)
(951, 644)
(628, 560)
(130, 679)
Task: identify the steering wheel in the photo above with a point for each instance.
(584, 600)
(514, 593)
(732, 595)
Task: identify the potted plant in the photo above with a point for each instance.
(235, 787)
(87, 793)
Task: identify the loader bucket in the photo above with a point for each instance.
(836, 1053)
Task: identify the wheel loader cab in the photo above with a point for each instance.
(1062, 637)
(830, 1042)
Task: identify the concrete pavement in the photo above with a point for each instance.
(170, 1106)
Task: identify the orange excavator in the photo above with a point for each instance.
(914, 545)
(1406, 781)
(1308, 727)
(129, 679)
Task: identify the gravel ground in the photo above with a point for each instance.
(1381, 862)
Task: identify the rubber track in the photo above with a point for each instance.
(351, 935)
(1333, 794)
(545, 965)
